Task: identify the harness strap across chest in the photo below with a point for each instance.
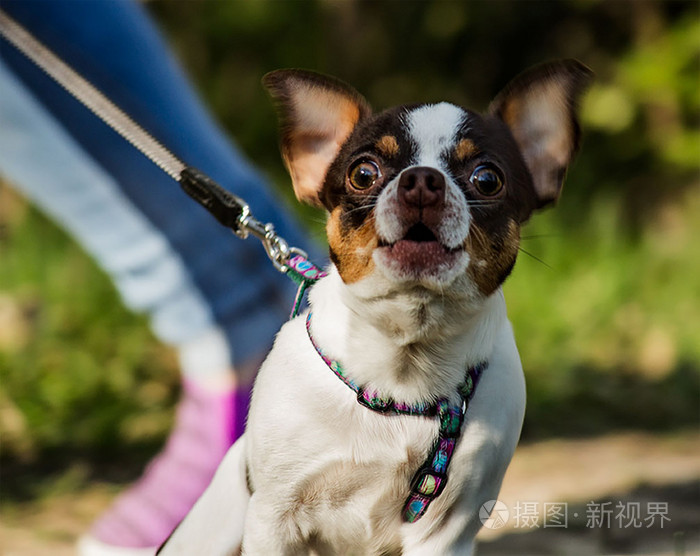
(430, 479)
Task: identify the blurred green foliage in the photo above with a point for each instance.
(608, 326)
(67, 388)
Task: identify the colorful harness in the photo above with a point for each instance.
(430, 480)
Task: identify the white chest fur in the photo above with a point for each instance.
(330, 473)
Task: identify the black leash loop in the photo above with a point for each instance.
(226, 207)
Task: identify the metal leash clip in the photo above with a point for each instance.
(276, 247)
(234, 213)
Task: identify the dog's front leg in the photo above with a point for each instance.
(264, 534)
(432, 548)
(455, 537)
(214, 526)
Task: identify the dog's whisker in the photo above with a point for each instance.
(537, 236)
(368, 207)
(534, 257)
(481, 201)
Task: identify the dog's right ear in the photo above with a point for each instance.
(317, 114)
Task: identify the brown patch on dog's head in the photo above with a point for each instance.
(465, 149)
(388, 146)
(492, 255)
(351, 248)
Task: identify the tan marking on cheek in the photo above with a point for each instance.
(465, 149)
(491, 258)
(353, 248)
(388, 146)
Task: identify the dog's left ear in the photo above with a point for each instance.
(317, 114)
(539, 107)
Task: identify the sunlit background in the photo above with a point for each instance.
(605, 298)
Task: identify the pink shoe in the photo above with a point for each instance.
(142, 517)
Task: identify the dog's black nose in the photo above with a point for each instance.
(422, 187)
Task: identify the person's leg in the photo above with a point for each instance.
(214, 297)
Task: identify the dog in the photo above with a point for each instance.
(386, 416)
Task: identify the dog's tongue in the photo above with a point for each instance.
(418, 254)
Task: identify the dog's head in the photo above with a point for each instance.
(428, 195)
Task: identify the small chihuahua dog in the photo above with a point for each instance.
(384, 418)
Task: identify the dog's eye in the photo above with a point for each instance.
(364, 174)
(487, 181)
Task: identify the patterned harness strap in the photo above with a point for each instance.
(304, 274)
(430, 479)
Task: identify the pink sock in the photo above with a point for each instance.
(206, 425)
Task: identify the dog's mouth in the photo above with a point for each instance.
(419, 253)
(420, 233)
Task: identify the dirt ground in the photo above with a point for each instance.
(654, 472)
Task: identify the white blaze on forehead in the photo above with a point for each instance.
(433, 128)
